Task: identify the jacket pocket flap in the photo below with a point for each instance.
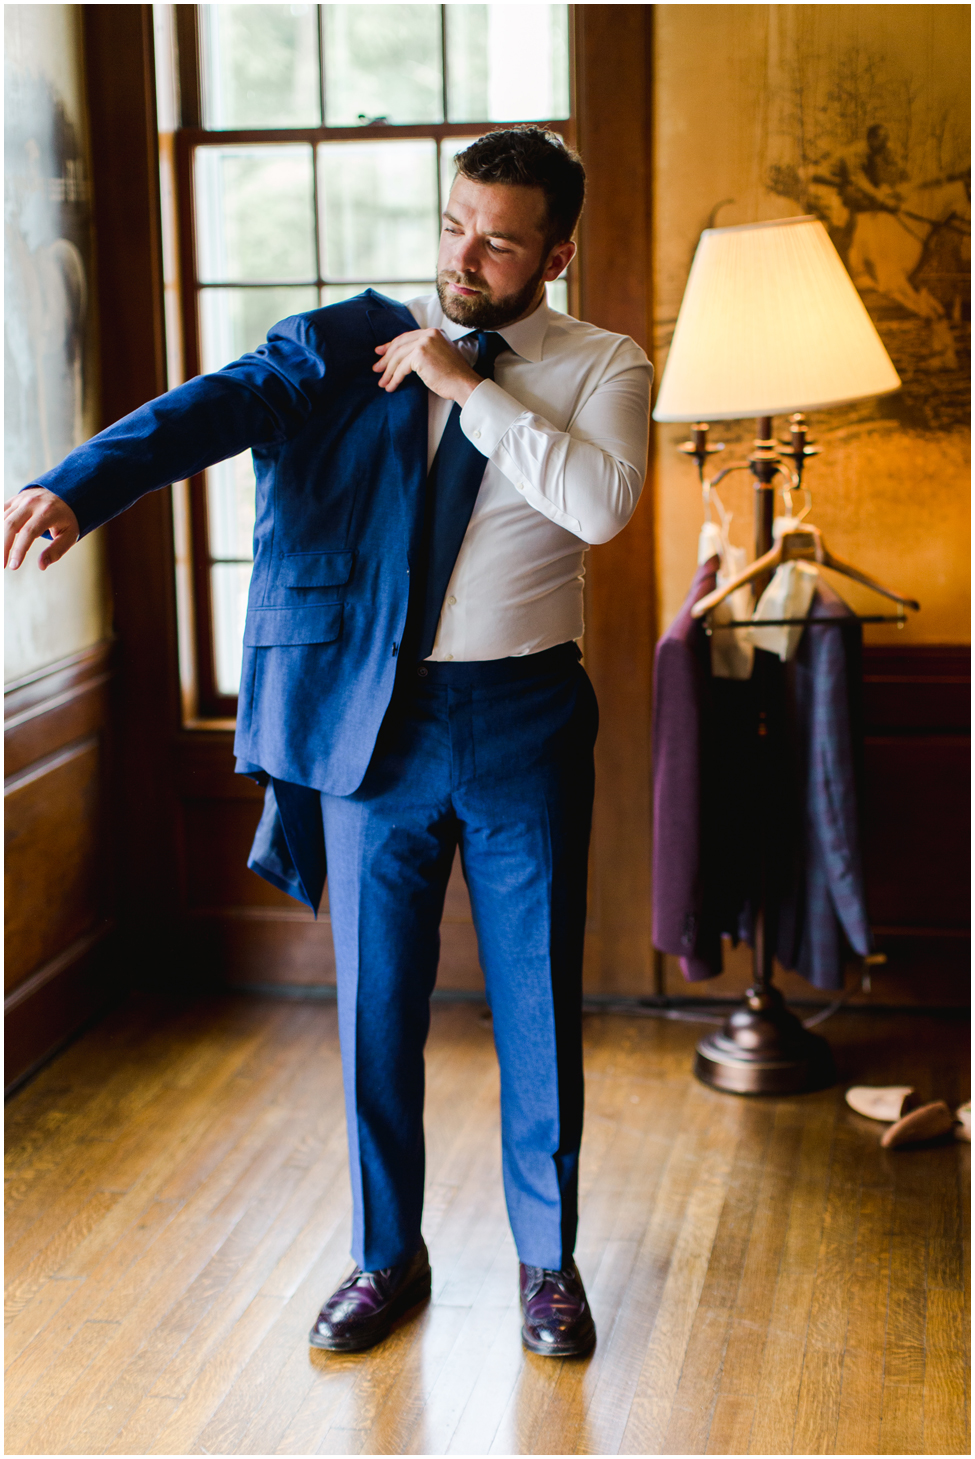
(267, 627)
(312, 569)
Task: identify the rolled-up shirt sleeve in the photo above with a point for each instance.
(588, 478)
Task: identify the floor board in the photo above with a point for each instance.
(765, 1279)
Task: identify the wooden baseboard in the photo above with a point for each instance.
(264, 946)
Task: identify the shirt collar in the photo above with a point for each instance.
(526, 338)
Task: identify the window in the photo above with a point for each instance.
(322, 153)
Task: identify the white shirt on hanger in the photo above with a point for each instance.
(564, 426)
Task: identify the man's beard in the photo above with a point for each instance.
(484, 310)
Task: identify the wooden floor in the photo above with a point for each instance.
(765, 1279)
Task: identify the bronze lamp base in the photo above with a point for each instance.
(764, 1049)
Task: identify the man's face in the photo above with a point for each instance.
(494, 258)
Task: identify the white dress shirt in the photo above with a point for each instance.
(564, 426)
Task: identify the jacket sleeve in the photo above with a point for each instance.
(262, 398)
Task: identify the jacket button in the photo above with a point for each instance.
(421, 672)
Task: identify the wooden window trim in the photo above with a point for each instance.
(189, 138)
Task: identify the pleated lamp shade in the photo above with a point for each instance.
(770, 323)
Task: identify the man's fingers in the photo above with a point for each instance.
(27, 517)
(395, 367)
(11, 526)
(395, 351)
(397, 372)
(17, 535)
(55, 550)
(30, 530)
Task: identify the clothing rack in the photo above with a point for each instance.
(710, 628)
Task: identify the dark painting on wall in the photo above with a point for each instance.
(886, 164)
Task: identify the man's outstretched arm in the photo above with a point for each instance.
(260, 398)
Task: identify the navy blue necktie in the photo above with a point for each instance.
(452, 487)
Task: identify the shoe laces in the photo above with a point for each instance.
(564, 1279)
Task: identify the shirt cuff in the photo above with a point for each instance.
(487, 417)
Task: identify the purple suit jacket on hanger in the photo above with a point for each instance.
(711, 805)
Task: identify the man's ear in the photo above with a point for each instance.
(559, 259)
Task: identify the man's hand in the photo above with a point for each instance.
(30, 513)
(429, 353)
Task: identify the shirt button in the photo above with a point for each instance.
(451, 600)
(475, 435)
(448, 657)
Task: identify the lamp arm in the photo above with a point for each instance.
(735, 466)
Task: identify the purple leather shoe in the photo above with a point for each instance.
(364, 1308)
(558, 1322)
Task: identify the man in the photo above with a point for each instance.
(411, 680)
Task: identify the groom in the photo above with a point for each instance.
(429, 478)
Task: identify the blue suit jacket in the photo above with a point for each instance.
(341, 471)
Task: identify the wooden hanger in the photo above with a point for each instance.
(802, 544)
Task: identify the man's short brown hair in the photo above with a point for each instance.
(531, 157)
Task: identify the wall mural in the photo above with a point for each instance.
(47, 233)
(888, 170)
(49, 404)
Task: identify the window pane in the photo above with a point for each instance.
(558, 295)
(233, 321)
(335, 293)
(230, 507)
(382, 61)
(378, 204)
(449, 148)
(228, 587)
(260, 66)
(255, 213)
(507, 62)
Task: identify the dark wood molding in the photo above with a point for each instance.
(76, 952)
(917, 716)
(55, 705)
(612, 77)
(916, 689)
(57, 1003)
(120, 76)
(188, 65)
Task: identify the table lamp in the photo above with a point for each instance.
(770, 324)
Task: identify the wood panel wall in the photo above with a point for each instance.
(59, 968)
(916, 817)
